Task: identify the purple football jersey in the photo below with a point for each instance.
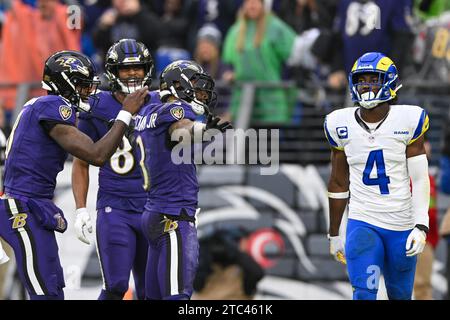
(120, 179)
(369, 26)
(34, 159)
(173, 187)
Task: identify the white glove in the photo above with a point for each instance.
(416, 242)
(83, 220)
(337, 249)
(3, 256)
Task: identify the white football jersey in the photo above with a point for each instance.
(380, 192)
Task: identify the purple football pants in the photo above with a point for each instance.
(172, 257)
(35, 249)
(122, 248)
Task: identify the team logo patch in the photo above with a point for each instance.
(177, 112)
(61, 225)
(65, 112)
(169, 225)
(19, 220)
(74, 64)
(342, 132)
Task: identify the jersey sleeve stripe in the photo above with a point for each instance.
(422, 127)
(329, 138)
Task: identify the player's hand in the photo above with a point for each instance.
(416, 242)
(3, 256)
(213, 123)
(133, 101)
(83, 220)
(337, 249)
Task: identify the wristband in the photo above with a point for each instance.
(124, 116)
(80, 210)
(338, 195)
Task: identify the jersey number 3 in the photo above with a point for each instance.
(382, 180)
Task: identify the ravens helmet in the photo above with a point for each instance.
(388, 82)
(71, 75)
(128, 52)
(186, 80)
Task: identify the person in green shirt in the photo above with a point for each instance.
(256, 46)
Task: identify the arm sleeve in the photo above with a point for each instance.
(418, 171)
(283, 38)
(421, 126)
(173, 113)
(57, 113)
(331, 134)
(229, 48)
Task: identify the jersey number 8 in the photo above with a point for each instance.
(122, 161)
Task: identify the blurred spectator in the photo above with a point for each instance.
(207, 51)
(226, 271)
(126, 19)
(431, 50)
(92, 11)
(362, 26)
(427, 9)
(256, 46)
(176, 28)
(29, 36)
(207, 54)
(444, 230)
(302, 15)
(423, 289)
(221, 13)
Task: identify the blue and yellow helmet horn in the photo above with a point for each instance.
(388, 82)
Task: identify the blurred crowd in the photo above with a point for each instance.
(310, 42)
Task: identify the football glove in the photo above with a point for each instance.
(416, 242)
(3, 256)
(83, 220)
(337, 249)
(213, 123)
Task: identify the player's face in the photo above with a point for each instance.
(86, 91)
(369, 82)
(203, 96)
(131, 72)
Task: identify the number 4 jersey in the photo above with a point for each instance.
(380, 192)
(120, 179)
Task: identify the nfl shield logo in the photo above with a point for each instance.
(65, 112)
(177, 113)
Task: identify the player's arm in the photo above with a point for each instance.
(338, 186)
(338, 193)
(80, 187)
(80, 182)
(418, 172)
(195, 129)
(81, 146)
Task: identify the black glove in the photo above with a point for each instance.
(213, 123)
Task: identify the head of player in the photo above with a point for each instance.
(129, 66)
(71, 75)
(373, 80)
(187, 81)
